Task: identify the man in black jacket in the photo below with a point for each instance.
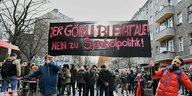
(104, 78)
(91, 81)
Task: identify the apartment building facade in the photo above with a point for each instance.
(170, 23)
(42, 28)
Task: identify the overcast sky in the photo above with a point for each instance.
(98, 10)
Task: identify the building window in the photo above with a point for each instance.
(151, 35)
(170, 22)
(179, 18)
(170, 2)
(157, 50)
(160, 8)
(180, 44)
(151, 20)
(189, 9)
(156, 30)
(147, 9)
(178, 1)
(163, 26)
(190, 37)
(170, 46)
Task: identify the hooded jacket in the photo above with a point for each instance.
(168, 85)
(15, 62)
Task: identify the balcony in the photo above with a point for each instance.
(165, 13)
(165, 34)
(165, 56)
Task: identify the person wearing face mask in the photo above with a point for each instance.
(170, 78)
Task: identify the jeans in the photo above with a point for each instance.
(6, 81)
(106, 90)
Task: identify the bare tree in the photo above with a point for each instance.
(33, 43)
(116, 62)
(87, 61)
(18, 18)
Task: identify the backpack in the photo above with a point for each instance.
(178, 75)
(8, 69)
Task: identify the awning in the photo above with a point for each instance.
(7, 45)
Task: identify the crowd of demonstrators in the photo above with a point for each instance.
(55, 80)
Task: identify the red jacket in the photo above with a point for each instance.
(168, 84)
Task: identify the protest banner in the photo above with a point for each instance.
(112, 39)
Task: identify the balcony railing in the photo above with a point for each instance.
(165, 34)
(164, 56)
(165, 13)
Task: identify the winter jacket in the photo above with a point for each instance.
(92, 75)
(169, 85)
(73, 74)
(104, 76)
(113, 83)
(16, 62)
(48, 78)
(124, 78)
(132, 77)
(66, 75)
(81, 77)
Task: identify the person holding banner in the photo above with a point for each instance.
(48, 77)
(171, 77)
